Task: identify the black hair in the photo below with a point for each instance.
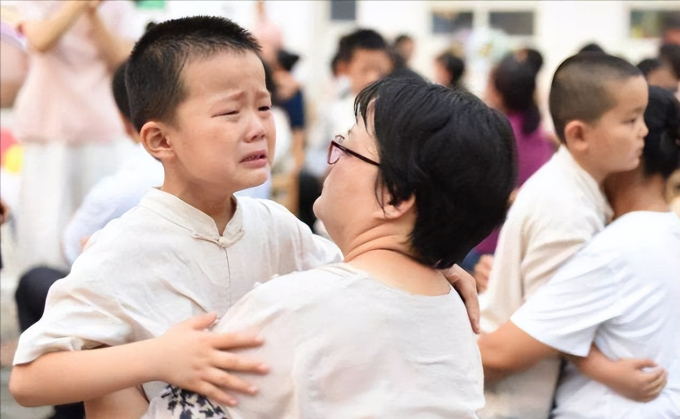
(287, 60)
(648, 65)
(670, 53)
(120, 95)
(448, 149)
(153, 77)
(515, 81)
(455, 66)
(661, 154)
(591, 47)
(533, 58)
(360, 39)
(402, 38)
(580, 90)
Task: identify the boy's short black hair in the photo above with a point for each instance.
(449, 150)
(580, 87)
(120, 91)
(661, 154)
(153, 78)
(360, 39)
(591, 47)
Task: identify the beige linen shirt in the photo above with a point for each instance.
(558, 210)
(164, 262)
(342, 345)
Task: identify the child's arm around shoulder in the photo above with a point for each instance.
(187, 355)
(627, 376)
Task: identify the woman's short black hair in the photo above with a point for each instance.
(452, 152)
(661, 154)
(455, 66)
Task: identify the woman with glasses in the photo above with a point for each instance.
(424, 174)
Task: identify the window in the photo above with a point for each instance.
(448, 22)
(513, 23)
(343, 10)
(652, 23)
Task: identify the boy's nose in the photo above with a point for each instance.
(645, 130)
(256, 129)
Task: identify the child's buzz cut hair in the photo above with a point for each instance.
(153, 76)
(580, 89)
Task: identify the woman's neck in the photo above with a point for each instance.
(389, 262)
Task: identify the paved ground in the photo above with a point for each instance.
(9, 332)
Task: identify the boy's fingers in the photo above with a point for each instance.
(643, 363)
(225, 381)
(237, 340)
(216, 394)
(233, 362)
(202, 321)
(467, 288)
(659, 381)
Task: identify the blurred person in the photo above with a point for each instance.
(267, 33)
(597, 104)
(290, 97)
(449, 70)
(110, 198)
(658, 73)
(65, 114)
(669, 54)
(363, 58)
(620, 292)
(404, 45)
(14, 62)
(395, 203)
(512, 90)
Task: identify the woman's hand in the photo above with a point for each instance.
(195, 359)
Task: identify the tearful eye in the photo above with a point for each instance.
(264, 108)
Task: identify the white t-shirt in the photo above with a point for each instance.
(343, 345)
(557, 211)
(111, 197)
(622, 293)
(163, 262)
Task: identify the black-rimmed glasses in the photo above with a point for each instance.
(336, 149)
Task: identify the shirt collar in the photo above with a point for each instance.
(200, 224)
(586, 182)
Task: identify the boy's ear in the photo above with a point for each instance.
(576, 136)
(153, 137)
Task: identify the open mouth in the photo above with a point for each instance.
(260, 155)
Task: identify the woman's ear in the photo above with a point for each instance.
(153, 137)
(399, 210)
(576, 136)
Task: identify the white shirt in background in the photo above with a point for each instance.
(622, 293)
(163, 262)
(557, 211)
(342, 345)
(111, 197)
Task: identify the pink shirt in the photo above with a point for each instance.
(66, 96)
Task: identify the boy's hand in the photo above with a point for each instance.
(641, 380)
(466, 286)
(645, 379)
(196, 359)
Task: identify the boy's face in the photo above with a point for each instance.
(367, 66)
(223, 133)
(616, 139)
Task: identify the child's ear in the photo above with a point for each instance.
(153, 137)
(576, 136)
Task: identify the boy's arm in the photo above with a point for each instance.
(187, 356)
(510, 350)
(641, 380)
